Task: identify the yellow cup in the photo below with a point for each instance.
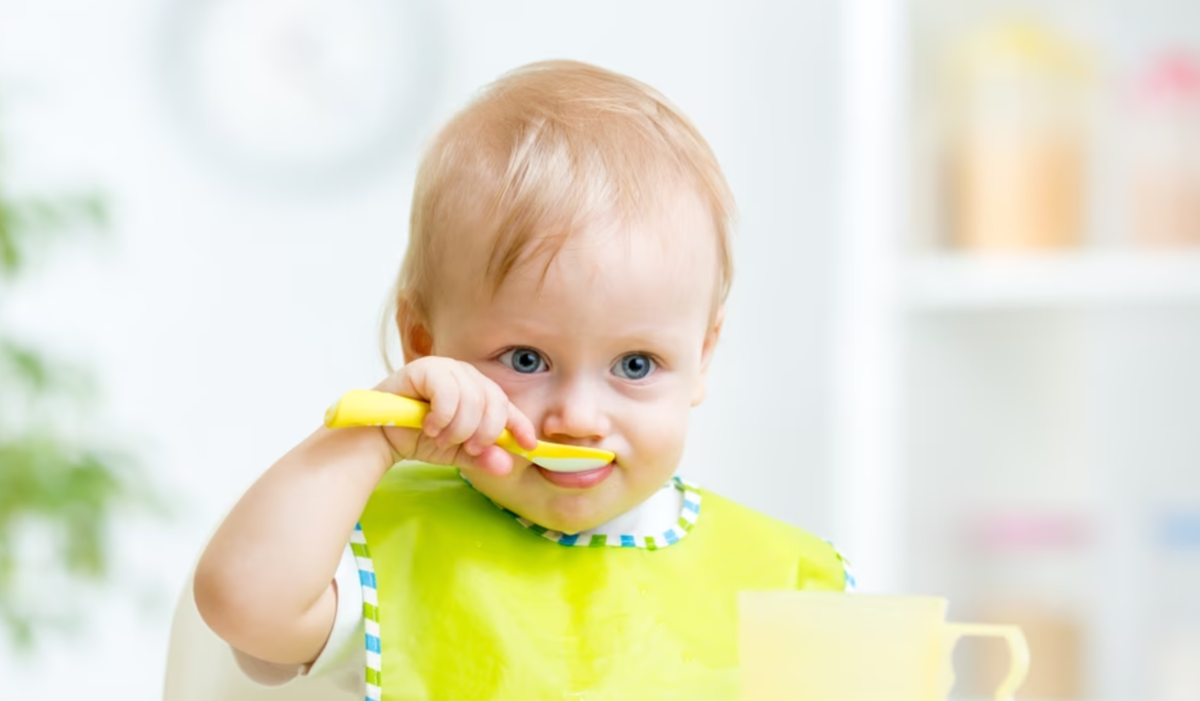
(822, 646)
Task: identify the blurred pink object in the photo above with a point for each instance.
(1174, 78)
(1024, 530)
(1165, 153)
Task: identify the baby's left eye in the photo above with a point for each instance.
(635, 366)
(524, 360)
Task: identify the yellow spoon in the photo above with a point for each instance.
(361, 407)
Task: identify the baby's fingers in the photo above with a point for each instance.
(492, 421)
(467, 414)
(443, 405)
(521, 427)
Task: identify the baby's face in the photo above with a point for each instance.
(609, 351)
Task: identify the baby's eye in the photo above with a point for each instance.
(523, 360)
(635, 366)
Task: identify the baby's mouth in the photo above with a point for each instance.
(577, 480)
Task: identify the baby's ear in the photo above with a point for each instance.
(414, 333)
(706, 354)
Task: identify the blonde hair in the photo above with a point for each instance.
(542, 152)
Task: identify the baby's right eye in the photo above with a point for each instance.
(524, 360)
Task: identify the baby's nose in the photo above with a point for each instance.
(576, 413)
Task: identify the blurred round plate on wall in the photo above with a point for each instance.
(302, 94)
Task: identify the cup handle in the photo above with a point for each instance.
(1017, 647)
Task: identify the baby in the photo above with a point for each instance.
(565, 278)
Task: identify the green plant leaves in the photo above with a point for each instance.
(36, 221)
(64, 489)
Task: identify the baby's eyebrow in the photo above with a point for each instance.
(660, 344)
(540, 335)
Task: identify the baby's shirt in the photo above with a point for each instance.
(341, 662)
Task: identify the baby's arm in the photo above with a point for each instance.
(265, 582)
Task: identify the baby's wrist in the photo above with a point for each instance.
(358, 448)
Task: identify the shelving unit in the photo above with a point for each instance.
(967, 384)
(1085, 280)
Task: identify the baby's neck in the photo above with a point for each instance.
(653, 517)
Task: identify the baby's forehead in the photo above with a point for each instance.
(675, 232)
(595, 291)
(666, 257)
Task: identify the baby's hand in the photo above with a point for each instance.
(468, 412)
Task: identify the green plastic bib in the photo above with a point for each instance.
(473, 606)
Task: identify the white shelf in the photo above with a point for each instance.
(965, 282)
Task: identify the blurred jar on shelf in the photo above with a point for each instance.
(1032, 569)
(1174, 639)
(1164, 152)
(1017, 139)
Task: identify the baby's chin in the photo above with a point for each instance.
(571, 513)
(570, 518)
(566, 511)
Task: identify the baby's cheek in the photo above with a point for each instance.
(658, 437)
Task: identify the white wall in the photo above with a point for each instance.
(222, 320)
